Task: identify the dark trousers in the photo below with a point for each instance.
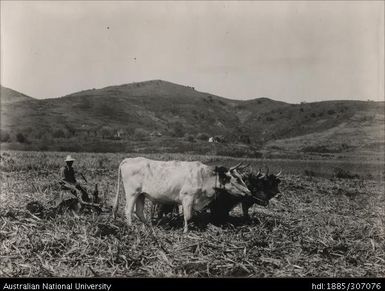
(84, 194)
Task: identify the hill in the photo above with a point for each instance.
(160, 112)
(161, 106)
(360, 133)
(11, 96)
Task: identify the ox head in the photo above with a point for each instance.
(231, 181)
(263, 186)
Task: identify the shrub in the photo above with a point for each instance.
(326, 149)
(107, 132)
(106, 110)
(71, 130)
(275, 147)
(240, 153)
(202, 136)
(140, 134)
(189, 137)
(344, 174)
(177, 130)
(5, 137)
(44, 147)
(316, 149)
(39, 134)
(85, 104)
(58, 133)
(309, 173)
(45, 142)
(21, 138)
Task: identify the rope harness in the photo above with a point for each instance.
(260, 200)
(221, 187)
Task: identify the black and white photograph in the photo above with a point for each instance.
(192, 139)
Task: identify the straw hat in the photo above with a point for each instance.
(69, 159)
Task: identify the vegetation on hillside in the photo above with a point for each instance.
(120, 115)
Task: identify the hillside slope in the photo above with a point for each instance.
(175, 111)
(364, 133)
(153, 105)
(11, 96)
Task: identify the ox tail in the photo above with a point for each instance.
(116, 203)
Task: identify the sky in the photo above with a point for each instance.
(289, 51)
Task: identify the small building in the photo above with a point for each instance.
(156, 133)
(217, 139)
(119, 134)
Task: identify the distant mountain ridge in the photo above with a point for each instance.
(176, 111)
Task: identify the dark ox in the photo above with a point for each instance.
(191, 184)
(263, 187)
(160, 210)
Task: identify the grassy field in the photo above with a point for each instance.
(322, 226)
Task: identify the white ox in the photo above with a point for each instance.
(192, 184)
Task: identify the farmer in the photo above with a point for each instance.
(68, 180)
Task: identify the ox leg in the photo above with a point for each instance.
(152, 211)
(187, 204)
(245, 210)
(130, 207)
(140, 208)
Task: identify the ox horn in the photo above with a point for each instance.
(236, 166)
(243, 167)
(279, 173)
(265, 174)
(262, 175)
(246, 166)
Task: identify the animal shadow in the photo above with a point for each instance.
(202, 222)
